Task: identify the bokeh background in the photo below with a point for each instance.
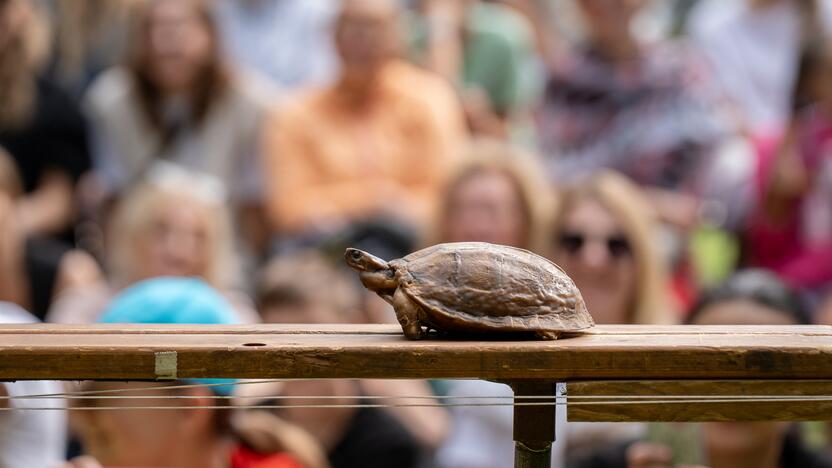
(673, 156)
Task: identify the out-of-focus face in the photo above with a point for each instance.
(365, 36)
(134, 437)
(175, 243)
(178, 44)
(608, 17)
(487, 207)
(742, 437)
(14, 14)
(594, 251)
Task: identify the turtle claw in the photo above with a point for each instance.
(413, 331)
(547, 335)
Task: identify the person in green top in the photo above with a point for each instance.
(488, 50)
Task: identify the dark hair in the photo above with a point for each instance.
(813, 41)
(812, 58)
(383, 237)
(210, 84)
(281, 295)
(761, 287)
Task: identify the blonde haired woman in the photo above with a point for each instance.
(498, 195)
(175, 223)
(605, 235)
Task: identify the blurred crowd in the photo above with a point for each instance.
(190, 161)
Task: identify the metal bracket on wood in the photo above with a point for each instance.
(534, 425)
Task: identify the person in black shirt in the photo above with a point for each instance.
(43, 134)
(40, 126)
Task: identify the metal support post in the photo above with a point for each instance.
(534, 425)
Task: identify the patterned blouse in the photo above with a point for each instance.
(653, 118)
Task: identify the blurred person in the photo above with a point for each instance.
(30, 438)
(605, 237)
(89, 37)
(790, 230)
(753, 48)
(375, 143)
(34, 270)
(618, 102)
(175, 223)
(289, 41)
(40, 126)
(290, 292)
(487, 49)
(195, 437)
(751, 297)
(284, 297)
(178, 100)
(497, 195)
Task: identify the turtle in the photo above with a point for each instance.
(474, 287)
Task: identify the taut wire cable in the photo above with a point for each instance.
(406, 405)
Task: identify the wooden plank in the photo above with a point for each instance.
(387, 329)
(700, 411)
(169, 329)
(361, 351)
(707, 329)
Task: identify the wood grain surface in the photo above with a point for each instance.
(703, 411)
(380, 351)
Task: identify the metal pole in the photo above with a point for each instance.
(534, 426)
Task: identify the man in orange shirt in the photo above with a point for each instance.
(376, 143)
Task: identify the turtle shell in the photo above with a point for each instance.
(475, 287)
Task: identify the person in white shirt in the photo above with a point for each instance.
(288, 41)
(753, 47)
(29, 438)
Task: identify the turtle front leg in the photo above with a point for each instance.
(547, 335)
(407, 312)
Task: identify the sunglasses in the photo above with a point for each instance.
(617, 246)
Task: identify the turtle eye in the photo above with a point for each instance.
(356, 255)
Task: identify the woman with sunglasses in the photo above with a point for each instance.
(604, 235)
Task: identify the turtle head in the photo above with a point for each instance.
(376, 275)
(363, 262)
